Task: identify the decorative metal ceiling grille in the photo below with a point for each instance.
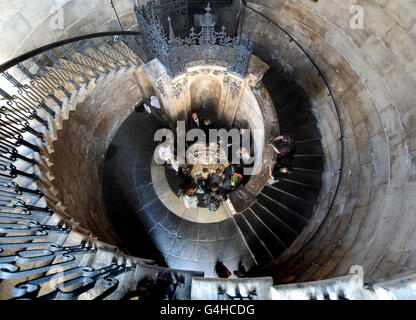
(208, 45)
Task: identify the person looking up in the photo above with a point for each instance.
(218, 177)
(284, 146)
(188, 197)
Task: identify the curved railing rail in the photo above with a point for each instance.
(43, 252)
(38, 81)
(322, 76)
(27, 55)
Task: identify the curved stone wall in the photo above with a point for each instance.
(26, 25)
(371, 72)
(81, 145)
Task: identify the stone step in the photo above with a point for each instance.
(339, 288)
(280, 229)
(290, 122)
(309, 179)
(261, 254)
(22, 165)
(306, 132)
(290, 201)
(305, 193)
(309, 147)
(270, 239)
(308, 162)
(294, 106)
(78, 235)
(293, 220)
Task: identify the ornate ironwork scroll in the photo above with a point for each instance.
(207, 45)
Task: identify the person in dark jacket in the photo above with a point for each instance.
(218, 177)
(284, 146)
(185, 174)
(214, 197)
(207, 124)
(280, 169)
(281, 148)
(218, 192)
(194, 121)
(204, 180)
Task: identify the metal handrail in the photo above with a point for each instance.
(29, 99)
(31, 102)
(30, 54)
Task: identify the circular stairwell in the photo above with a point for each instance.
(137, 198)
(143, 207)
(378, 109)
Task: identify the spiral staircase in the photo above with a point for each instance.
(46, 254)
(283, 209)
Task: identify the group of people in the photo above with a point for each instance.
(212, 187)
(194, 122)
(165, 151)
(208, 188)
(285, 148)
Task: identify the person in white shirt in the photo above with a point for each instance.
(154, 102)
(188, 197)
(165, 153)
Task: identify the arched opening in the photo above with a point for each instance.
(205, 95)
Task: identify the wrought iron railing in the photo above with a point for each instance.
(43, 253)
(35, 86)
(208, 45)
